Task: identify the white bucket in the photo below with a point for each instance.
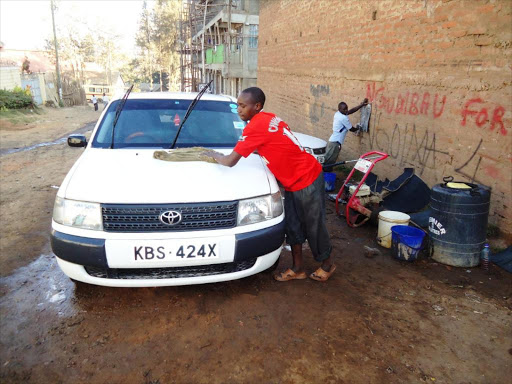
(386, 220)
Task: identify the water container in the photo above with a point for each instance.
(386, 220)
(330, 181)
(458, 222)
(406, 242)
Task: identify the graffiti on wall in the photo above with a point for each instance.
(317, 109)
(412, 145)
(410, 103)
(475, 111)
(465, 169)
(407, 144)
(407, 103)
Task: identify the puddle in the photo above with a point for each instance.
(41, 286)
(61, 140)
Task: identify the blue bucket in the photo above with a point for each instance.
(330, 181)
(406, 242)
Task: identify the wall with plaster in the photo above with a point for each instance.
(438, 74)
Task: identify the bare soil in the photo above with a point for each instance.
(377, 320)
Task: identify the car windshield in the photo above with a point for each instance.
(153, 123)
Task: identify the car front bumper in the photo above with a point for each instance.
(78, 256)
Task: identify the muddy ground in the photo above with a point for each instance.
(377, 320)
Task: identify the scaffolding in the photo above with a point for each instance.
(189, 74)
(218, 40)
(194, 17)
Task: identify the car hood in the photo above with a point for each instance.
(133, 176)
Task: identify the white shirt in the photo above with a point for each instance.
(94, 100)
(105, 99)
(340, 126)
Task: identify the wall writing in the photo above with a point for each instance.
(418, 147)
(317, 109)
(478, 114)
(408, 103)
(474, 112)
(407, 144)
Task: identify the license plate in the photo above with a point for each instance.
(173, 252)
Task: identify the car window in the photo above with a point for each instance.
(154, 123)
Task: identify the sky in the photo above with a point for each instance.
(25, 24)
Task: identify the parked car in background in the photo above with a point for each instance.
(312, 145)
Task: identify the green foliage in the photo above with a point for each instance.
(156, 39)
(15, 99)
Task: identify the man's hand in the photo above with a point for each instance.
(227, 161)
(365, 101)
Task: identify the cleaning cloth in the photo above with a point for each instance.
(184, 154)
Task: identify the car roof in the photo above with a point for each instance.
(175, 96)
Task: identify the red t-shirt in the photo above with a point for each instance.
(285, 157)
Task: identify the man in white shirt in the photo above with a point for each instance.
(340, 126)
(105, 100)
(94, 100)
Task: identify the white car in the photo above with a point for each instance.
(312, 145)
(123, 218)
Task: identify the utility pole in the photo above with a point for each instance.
(59, 85)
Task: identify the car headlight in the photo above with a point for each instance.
(257, 209)
(78, 214)
(308, 150)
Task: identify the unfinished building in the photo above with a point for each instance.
(219, 40)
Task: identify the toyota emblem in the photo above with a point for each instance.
(170, 217)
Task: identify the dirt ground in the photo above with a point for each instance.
(378, 320)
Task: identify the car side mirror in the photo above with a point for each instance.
(77, 141)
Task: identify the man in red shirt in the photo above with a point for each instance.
(301, 176)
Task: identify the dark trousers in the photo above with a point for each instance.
(95, 106)
(305, 218)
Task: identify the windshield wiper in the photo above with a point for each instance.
(189, 110)
(119, 109)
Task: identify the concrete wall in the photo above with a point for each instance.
(10, 77)
(437, 72)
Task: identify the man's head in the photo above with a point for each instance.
(343, 108)
(250, 102)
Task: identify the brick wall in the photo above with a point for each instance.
(438, 73)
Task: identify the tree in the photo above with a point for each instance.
(165, 35)
(143, 40)
(156, 38)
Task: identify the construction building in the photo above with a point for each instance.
(219, 42)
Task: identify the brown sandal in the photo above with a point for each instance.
(290, 275)
(321, 275)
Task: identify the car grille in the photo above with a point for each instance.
(145, 218)
(170, 273)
